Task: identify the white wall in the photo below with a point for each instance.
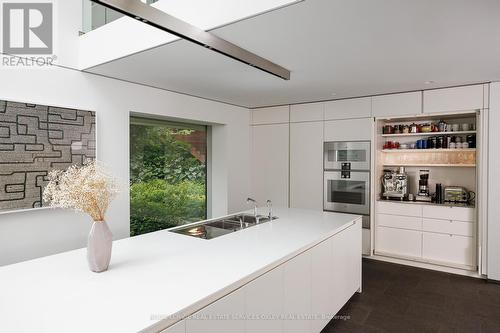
(493, 183)
(30, 234)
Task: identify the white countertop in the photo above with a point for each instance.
(157, 274)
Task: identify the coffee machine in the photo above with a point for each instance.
(423, 187)
(395, 184)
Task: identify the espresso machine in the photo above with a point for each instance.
(395, 184)
(423, 187)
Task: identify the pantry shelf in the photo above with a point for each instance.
(427, 134)
(426, 151)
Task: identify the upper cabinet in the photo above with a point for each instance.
(349, 130)
(272, 115)
(348, 108)
(466, 98)
(404, 104)
(307, 112)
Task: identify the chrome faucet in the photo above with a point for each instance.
(250, 200)
(269, 205)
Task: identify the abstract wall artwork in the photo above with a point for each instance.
(35, 139)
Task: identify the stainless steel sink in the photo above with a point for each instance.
(220, 227)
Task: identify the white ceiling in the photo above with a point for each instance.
(335, 49)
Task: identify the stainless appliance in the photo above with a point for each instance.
(423, 187)
(347, 178)
(356, 153)
(458, 194)
(395, 184)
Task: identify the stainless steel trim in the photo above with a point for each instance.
(163, 21)
(344, 207)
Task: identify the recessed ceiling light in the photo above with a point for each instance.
(429, 82)
(334, 94)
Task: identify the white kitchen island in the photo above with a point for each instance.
(288, 275)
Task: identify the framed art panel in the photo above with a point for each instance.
(35, 139)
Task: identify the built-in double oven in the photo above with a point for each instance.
(347, 178)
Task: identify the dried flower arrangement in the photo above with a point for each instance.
(88, 188)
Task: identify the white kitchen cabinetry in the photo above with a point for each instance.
(270, 151)
(348, 108)
(264, 299)
(297, 277)
(322, 275)
(400, 242)
(225, 315)
(272, 115)
(442, 235)
(179, 327)
(349, 130)
(316, 282)
(306, 165)
(464, 98)
(307, 112)
(449, 248)
(404, 104)
(494, 184)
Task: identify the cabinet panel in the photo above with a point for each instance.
(399, 242)
(224, 315)
(453, 99)
(306, 165)
(264, 303)
(347, 265)
(397, 221)
(449, 227)
(449, 248)
(394, 208)
(273, 115)
(270, 164)
(449, 213)
(180, 327)
(348, 108)
(297, 296)
(307, 112)
(322, 275)
(405, 104)
(366, 235)
(349, 130)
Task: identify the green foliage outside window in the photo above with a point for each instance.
(167, 182)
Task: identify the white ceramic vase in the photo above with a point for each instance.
(99, 246)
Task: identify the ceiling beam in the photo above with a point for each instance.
(163, 21)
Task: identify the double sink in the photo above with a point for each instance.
(216, 228)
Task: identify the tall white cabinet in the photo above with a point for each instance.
(306, 165)
(494, 182)
(270, 155)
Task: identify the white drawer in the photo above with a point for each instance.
(449, 213)
(449, 227)
(449, 249)
(397, 221)
(394, 208)
(399, 242)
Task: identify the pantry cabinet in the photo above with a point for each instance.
(270, 162)
(404, 104)
(466, 98)
(306, 165)
(444, 235)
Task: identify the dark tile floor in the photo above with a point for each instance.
(404, 299)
